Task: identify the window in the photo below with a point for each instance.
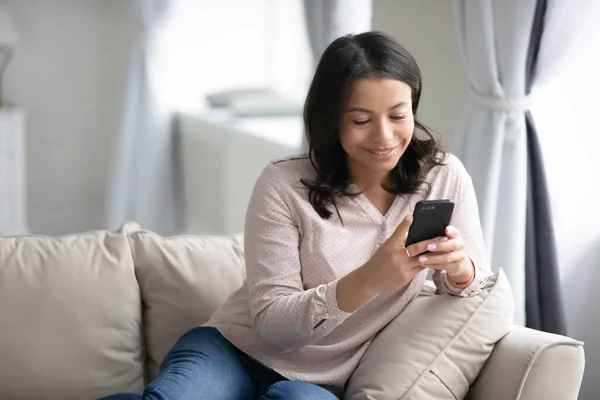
(203, 47)
(566, 115)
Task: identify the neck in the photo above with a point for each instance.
(367, 181)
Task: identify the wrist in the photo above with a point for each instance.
(367, 280)
(355, 289)
(465, 276)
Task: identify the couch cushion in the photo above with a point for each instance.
(70, 317)
(183, 279)
(436, 347)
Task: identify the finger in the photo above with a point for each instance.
(429, 259)
(452, 232)
(447, 246)
(402, 229)
(412, 264)
(424, 246)
(438, 267)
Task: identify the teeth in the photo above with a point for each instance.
(380, 153)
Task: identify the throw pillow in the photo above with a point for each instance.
(436, 347)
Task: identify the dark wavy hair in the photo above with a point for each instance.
(346, 60)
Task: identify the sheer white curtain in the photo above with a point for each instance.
(491, 141)
(143, 179)
(495, 40)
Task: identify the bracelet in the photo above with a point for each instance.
(468, 280)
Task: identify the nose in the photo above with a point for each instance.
(383, 132)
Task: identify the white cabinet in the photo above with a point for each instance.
(13, 200)
(221, 162)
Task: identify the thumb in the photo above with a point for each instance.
(452, 232)
(402, 229)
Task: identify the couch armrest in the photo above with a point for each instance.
(531, 365)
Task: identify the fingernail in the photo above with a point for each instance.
(431, 246)
(422, 259)
(444, 239)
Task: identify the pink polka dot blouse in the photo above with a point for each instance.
(286, 315)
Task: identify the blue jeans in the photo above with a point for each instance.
(204, 365)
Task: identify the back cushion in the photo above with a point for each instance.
(70, 317)
(183, 280)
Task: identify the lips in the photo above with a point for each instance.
(382, 151)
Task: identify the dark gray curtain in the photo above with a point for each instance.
(543, 303)
(318, 16)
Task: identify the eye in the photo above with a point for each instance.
(360, 122)
(397, 117)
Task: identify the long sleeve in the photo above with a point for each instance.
(466, 219)
(286, 316)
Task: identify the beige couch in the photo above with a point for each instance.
(86, 315)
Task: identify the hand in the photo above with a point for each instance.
(391, 267)
(448, 254)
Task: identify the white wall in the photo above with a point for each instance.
(426, 29)
(68, 71)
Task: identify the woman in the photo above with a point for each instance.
(326, 264)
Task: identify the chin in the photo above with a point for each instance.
(382, 166)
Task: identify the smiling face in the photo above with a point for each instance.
(375, 128)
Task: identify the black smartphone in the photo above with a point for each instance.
(430, 219)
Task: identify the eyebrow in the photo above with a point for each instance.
(365, 110)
